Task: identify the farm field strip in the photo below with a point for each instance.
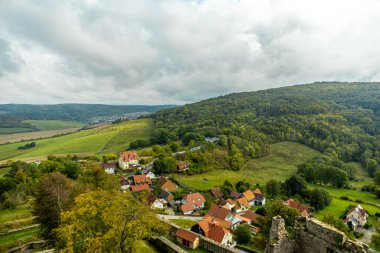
(45, 125)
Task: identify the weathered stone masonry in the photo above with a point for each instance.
(311, 236)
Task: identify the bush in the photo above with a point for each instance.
(359, 201)
(243, 234)
(345, 198)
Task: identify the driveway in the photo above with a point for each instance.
(367, 234)
(183, 217)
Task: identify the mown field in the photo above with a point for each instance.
(5, 130)
(107, 139)
(45, 125)
(27, 136)
(282, 162)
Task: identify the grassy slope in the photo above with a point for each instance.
(90, 141)
(44, 125)
(19, 213)
(183, 223)
(15, 130)
(281, 163)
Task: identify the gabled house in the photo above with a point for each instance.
(357, 216)
(225, 215)
(187, 238)
(250, 196)
(192, 202)
(182, 166)
(139, 188)
(109, 167)
(304, 210)
(235, 195)
(214, 229)
(242, 205)
(141, 179)
(254, 198)
(151, 175)
(229, 204)
(166, 196)
(155, 203)
(166, 184)
(129, 160)
(124, 183)
(253, 217)
(216, 192)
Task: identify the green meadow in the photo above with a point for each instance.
(110, 139)
(5, 130)
(45, 125)
(280, 164)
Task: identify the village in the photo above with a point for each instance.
(215, 216)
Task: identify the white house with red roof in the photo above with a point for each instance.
(357, 216)
(129, 160)
(192, 202)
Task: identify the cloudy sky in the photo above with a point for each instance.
(166, 51)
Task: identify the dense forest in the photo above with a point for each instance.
(340, 118)
(12, 115)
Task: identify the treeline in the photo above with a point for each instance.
(343, 117)
(14, 122)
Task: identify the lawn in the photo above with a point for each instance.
(145, 246)
(19, 235)
(282, 162)
(338, 206)
(92, 141)
(4, 171)
(18, 213)
(15, 130)
(44, 125)
(183, 223)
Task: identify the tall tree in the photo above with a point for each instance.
(106, 221)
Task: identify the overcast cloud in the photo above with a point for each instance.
(160, 52)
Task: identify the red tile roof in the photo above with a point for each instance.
(249, 195)
(166, 184)
(141, 179)
(216, 192)
(217, 233)
(243, 201)
(139, 188)
(129, 155)
(194, 199)
(252, 216)
(298, 206)
(218, 212)
(187, 235)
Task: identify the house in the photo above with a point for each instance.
(357, 216)
(182, 166)
(192, 202)
(141, 179)
(109, 167)
(253, 217)
(151, 175)
(166, 196)
(259, 197)
(254, 198)
(139, 188)
(124, 183)
(235, 195)
(155, 203)
(214, 229)
(224, 214)
(129, 160)
(187, 238)
(242, 205)
(228, 204)
(304, 210)
(166, 184)
(216, 192)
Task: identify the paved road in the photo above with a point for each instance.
(171, 217)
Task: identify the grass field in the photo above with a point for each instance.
(282, 162)
(19, 213)
(183, 223)
(92, 141)
(45, 125)
(15, 130)
(144, 246)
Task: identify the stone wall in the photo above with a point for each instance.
(311, 236)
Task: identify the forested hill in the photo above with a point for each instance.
(76, 112)
(344, 117)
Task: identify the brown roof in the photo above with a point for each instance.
(167, 185)
(208, 220)
(194, 199)
(216, 192)
(249, 195)
(296, 205)
(217, 233)
(139, 188)
(243, 201)
(235, 194)
(182, 165)
(141, 179)
(218, 211)
(257, 191)
(151, 199)
(109, 165)
(186, 207)
(252, 216)
(187, 235)
(129, 155)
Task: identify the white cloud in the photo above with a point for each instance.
(153, 52)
